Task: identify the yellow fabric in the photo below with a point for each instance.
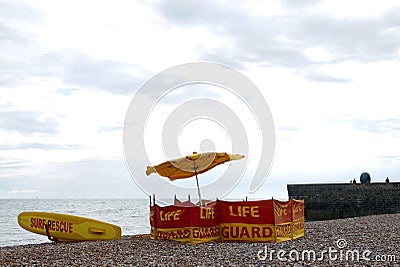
(185, 167)
(194, 156)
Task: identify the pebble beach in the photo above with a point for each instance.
(361, 241)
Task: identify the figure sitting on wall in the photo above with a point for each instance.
(387, 180)
(354, 181)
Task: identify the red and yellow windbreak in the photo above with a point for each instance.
(240, 221)
(297, 218)
(186, 224)
(247, 221)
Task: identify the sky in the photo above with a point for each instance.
(69, 70)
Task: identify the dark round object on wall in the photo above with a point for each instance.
(365, 178)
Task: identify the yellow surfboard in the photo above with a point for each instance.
(64, 227)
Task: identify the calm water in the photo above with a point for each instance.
(131, 215)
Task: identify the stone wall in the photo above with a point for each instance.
(334, 201)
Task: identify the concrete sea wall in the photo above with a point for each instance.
(335, 201)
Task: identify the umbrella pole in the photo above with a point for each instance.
(198, 189)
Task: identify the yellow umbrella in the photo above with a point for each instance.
(191, 165)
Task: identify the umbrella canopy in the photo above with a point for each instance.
(191, 165)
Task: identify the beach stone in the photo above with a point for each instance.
(378, 233)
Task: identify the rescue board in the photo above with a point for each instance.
(64, 227)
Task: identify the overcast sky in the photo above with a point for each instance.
(329, 71)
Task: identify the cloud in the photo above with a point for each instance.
(79, 179)
(83, 179)
(24, 57)
(318, 76)
(289, 128)
(22, 191)
(7, 34)
(391, 161)
(182, 94)
(27, 122)
(391, 157)
(222, 58)
(248, 39)
(281, 40)
(18, 10)
(109, 75)
(59, 68)
(17, 44)
(194, 12)
(388, 125)
(109, 129)
(22, 146)
(8, 163)
(300, 4)
(363, 39)
(67, 91)
(76, 69)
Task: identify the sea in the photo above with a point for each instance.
(132, 215)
